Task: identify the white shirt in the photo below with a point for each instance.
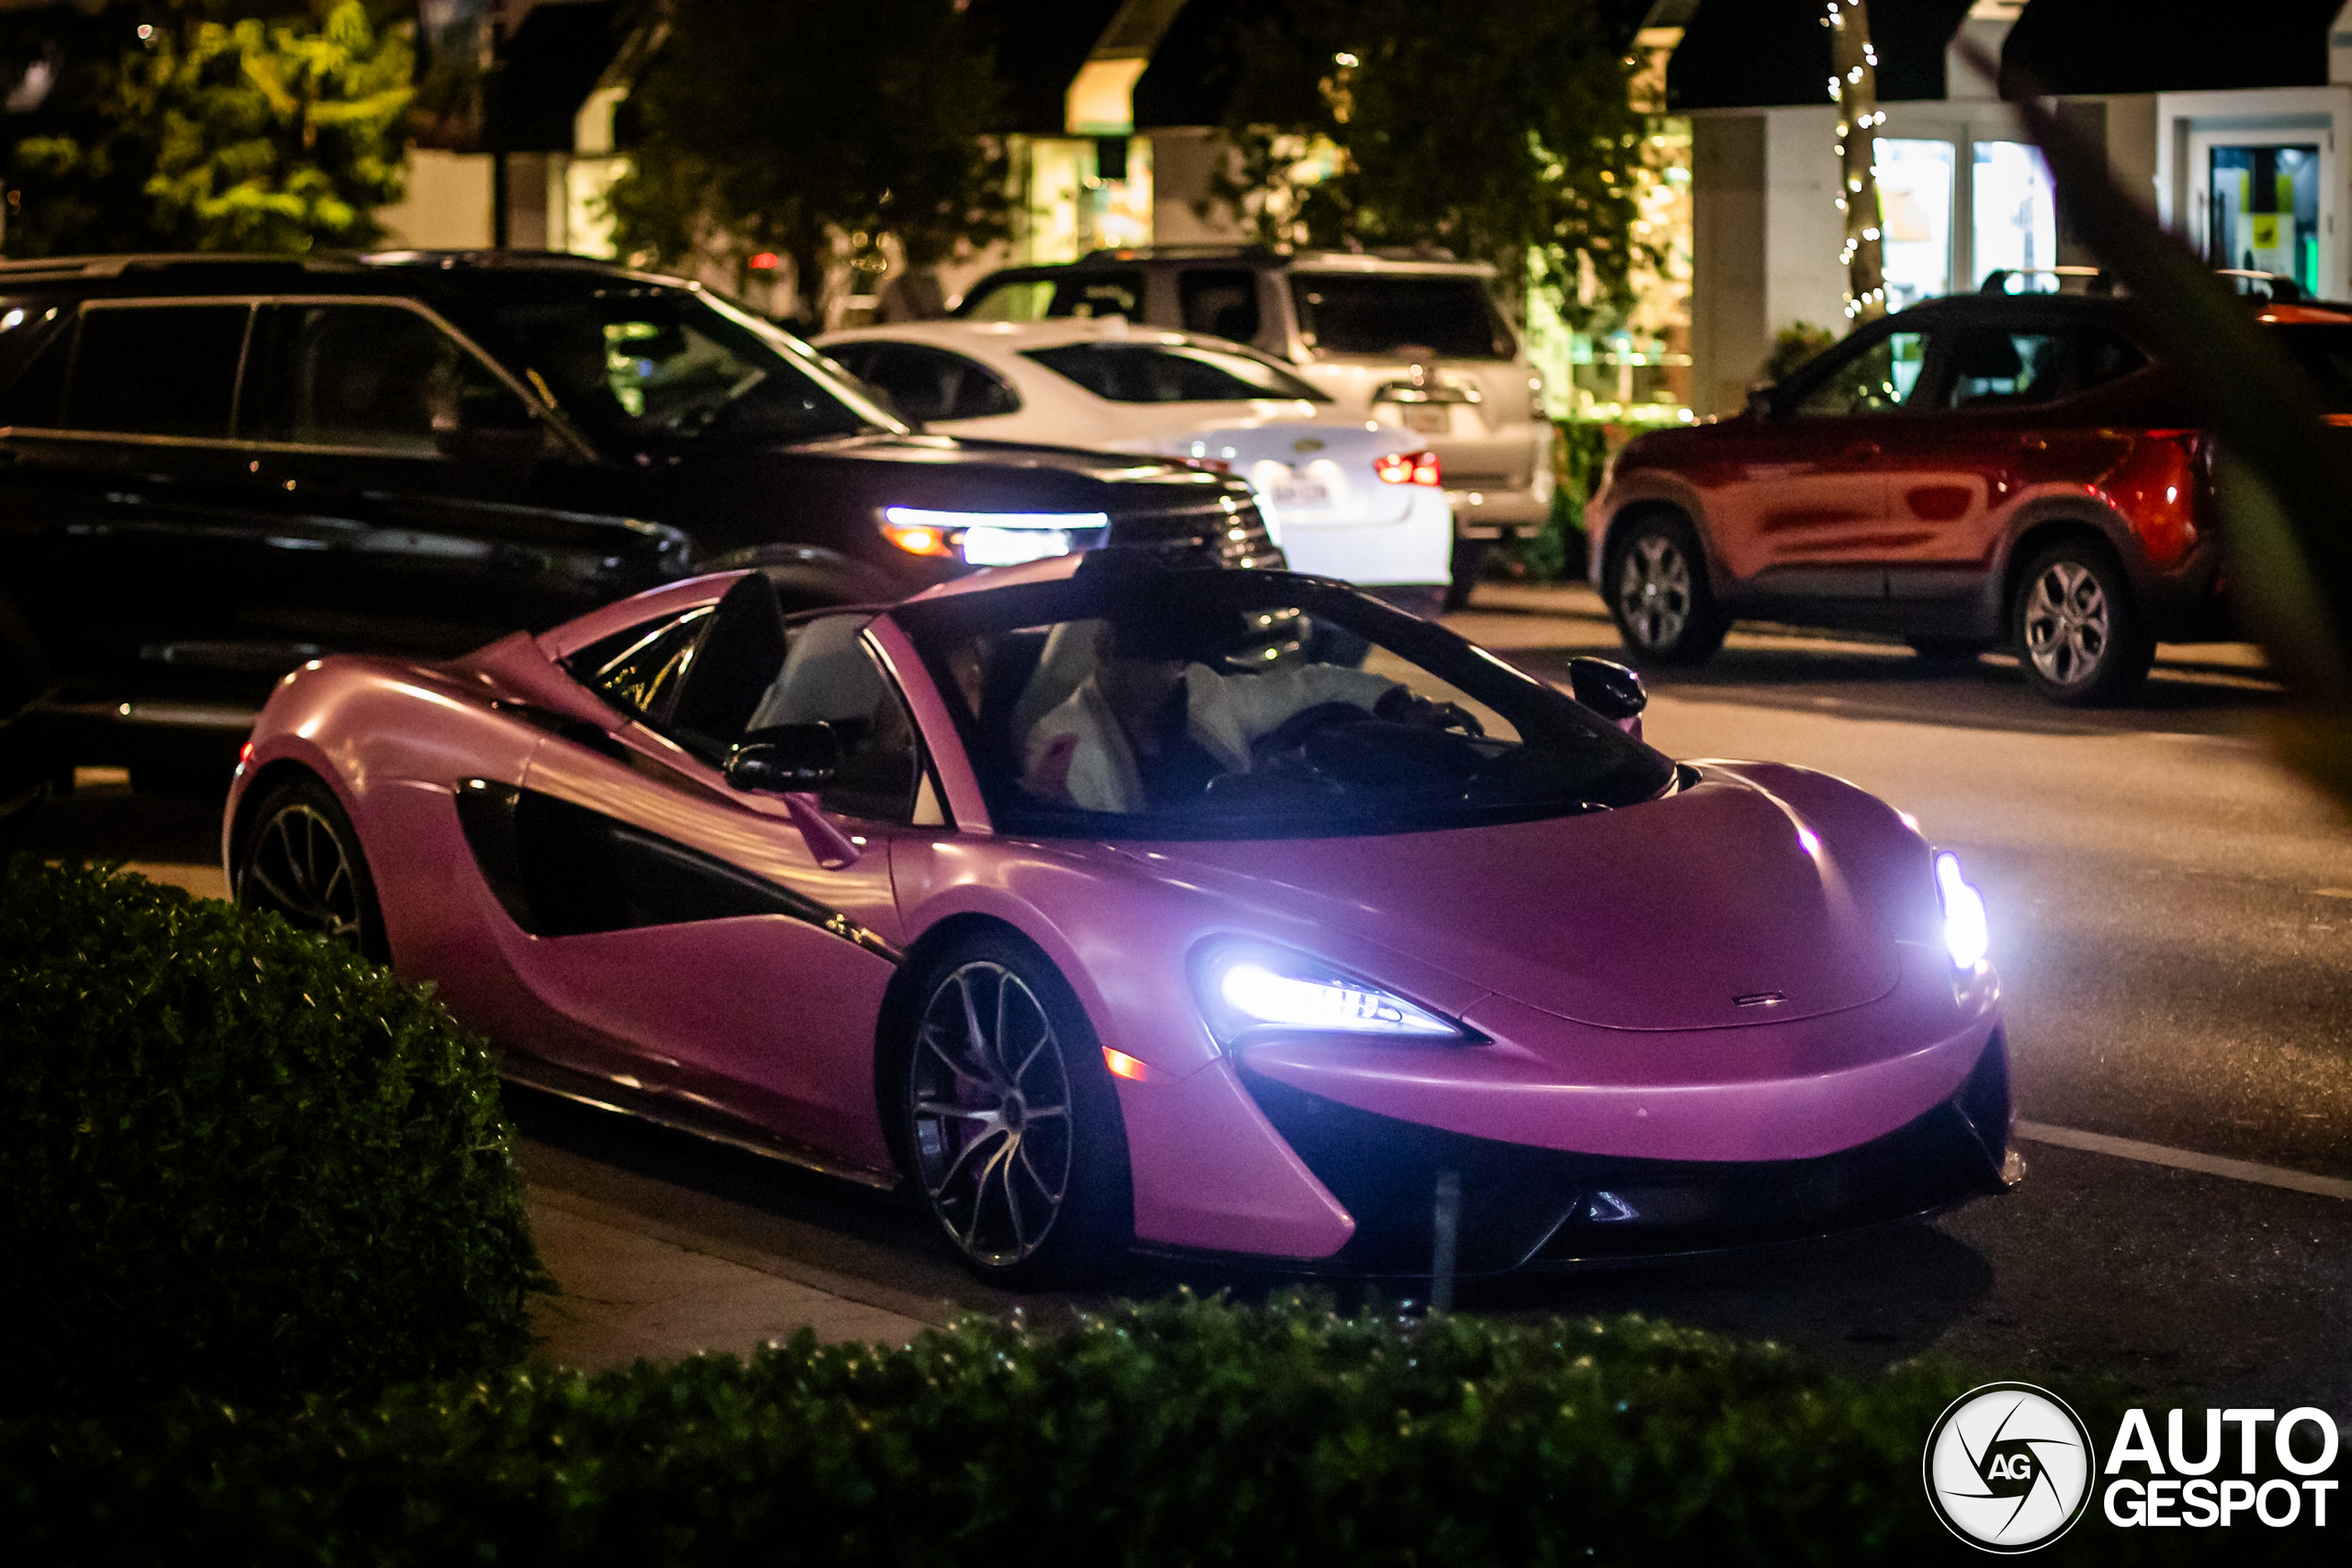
(1079, 751)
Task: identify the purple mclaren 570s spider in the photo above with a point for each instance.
(1113, 906)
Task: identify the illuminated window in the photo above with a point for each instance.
(1915, 206)
(2015, 216)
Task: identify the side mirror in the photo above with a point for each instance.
(1761, 403)
(1610, 689)
(786, 759)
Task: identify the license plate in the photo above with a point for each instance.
(1302, 495)
(1427, 419)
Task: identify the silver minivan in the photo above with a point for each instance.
(1401, 341)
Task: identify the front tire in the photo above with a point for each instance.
(1013, 1127)
(2079, 634)
(301, 858)
(1656, 579)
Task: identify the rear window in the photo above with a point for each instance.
(1080, 294)
(2325, 354)
(1450, 318)
(1165, 373)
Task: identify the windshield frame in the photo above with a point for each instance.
(933, 626)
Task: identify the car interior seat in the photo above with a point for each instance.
(1986, 355)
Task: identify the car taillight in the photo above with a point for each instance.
(1407, 468)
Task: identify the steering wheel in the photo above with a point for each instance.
(1291, 734)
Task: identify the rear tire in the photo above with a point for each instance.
(301, 858)
(1011, 1124)
(2080, 635)
(1656, 582)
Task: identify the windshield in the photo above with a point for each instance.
(1150, 704)
(1367, 313)
(2325, 354)
(1173, 373)
(652, 364)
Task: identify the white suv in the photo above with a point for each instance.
(1414, 344)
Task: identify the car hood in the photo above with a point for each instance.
(961, 474)
(1692, 911)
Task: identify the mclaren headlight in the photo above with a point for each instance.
(1966, 936)
(1247, 988)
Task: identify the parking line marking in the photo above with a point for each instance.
(2186, 1159)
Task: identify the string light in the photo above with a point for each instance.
(1853, 88)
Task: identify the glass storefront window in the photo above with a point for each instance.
(2015, 216)
(1915, 223)
(2264, 215)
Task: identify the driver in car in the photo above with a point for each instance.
(1150, 726)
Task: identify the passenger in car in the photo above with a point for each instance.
(1149, 726)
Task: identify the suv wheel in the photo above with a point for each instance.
(1657, 582)
(2078, 631)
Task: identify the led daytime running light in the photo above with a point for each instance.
(1967, 935)
(1248, 989)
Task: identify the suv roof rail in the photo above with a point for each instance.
(2282, 289)
(2098, 280)
(1203, 251)
(168, 261)
(486, 258)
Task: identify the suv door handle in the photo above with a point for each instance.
(1865, 449)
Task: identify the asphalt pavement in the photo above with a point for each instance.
(2172, 916)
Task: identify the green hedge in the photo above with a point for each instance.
(236, 1157)
(1187, 1432)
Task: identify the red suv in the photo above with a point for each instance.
(1975, 470)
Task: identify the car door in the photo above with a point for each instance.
(1800, 509)
(145, 533)
(745, 970)
(1989, 429)
(414, 477)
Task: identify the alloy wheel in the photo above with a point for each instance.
(301, 867)
(2066, 624)
(1653, 590)
(991, 1097)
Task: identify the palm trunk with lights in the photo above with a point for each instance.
(1853, 87)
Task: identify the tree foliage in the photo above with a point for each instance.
(209, 125)
(812, 128)
(1497, 128)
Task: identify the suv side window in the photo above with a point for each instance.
(1881, 376)
(932, 384)
(1994, 366)
(377, 378)
(1221, 302)
(34, 348)
(157, 370)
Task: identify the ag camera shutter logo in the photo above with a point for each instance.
(2009, 1467)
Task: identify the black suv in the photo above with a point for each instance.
(213, 469)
